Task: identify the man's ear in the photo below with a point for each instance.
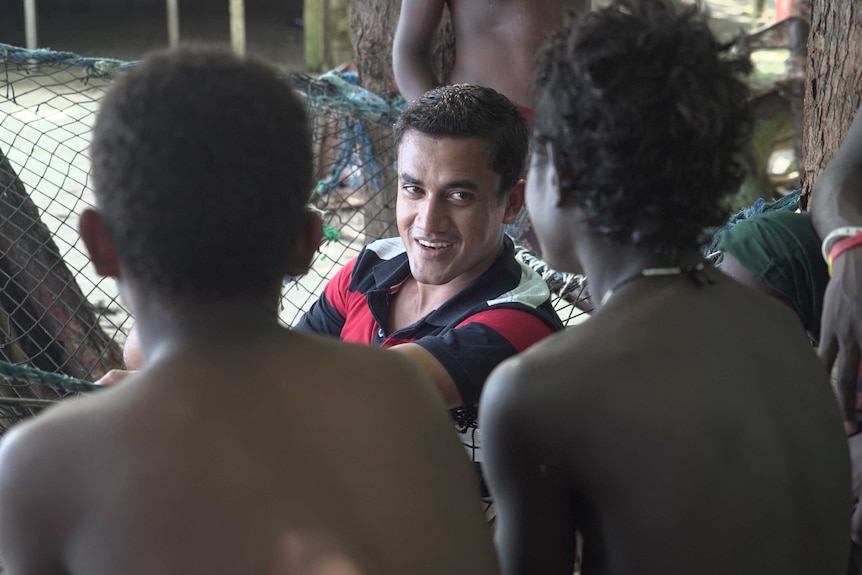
(307, 243)
(514, 201)
(99, 244)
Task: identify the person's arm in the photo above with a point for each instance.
(327, 315)
(433, 368)
(837, 197)
(133, 360)
(535, 531)
(459, 360)
(837, 203)
(856, 458)
(411, 49)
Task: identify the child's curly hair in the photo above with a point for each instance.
(648, 114)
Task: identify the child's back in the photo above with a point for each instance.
(208, 459)
(692, 430)
(687, 427)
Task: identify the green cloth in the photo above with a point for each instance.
(782, 249)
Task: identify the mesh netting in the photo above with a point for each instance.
(56, 315)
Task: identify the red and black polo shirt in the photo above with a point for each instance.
(500, 314)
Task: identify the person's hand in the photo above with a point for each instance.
(841, 330)
(114, 377)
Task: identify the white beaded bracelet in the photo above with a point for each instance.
(835, 235)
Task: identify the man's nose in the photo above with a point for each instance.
(433, 215)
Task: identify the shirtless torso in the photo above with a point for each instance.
(226, 452)
(494, 43)
(665, 459)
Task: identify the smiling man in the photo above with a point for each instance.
(448, 293)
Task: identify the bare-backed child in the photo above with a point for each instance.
(495, 43)
(241, 447)
(687, 427)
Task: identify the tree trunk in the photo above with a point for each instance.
(45, 319)
(834, 86)
(372, 25)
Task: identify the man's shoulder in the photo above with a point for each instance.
(512, 284)
(528, 289)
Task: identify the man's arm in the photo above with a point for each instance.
(535, 530)
(459, 360)
(835, 203)
(327, 315)
(433, 368)
(411, 50)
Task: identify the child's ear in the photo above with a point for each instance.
(307, 243)
(99, 244)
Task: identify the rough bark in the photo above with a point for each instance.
(372, 25)
(834, 85)
(45, 320)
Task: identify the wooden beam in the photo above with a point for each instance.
(237, 26)
(173, 23)
(312, 24)
(30, 25)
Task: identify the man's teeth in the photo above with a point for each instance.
(433, 245)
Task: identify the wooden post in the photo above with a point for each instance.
(237, 26)
(312, 20)
(30, 25)
(173, 23)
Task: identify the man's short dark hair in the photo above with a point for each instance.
(467, 111)
(202, 167)
(648, 113)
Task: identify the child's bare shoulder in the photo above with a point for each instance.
(563, 370)
(361, 366)
(44, 455)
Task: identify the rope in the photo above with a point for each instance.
(93, 67)
(33, 376)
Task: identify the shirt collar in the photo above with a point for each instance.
(503, 275)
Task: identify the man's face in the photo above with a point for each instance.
(449, 214)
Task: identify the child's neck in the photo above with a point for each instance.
(164, 328)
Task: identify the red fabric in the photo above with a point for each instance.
(351, 304)
(528, 114)
(783, 9)
(521, 333)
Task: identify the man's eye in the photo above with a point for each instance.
(411, 189)
(461, 196)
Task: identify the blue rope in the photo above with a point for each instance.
(31, 375)
(93, 67)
